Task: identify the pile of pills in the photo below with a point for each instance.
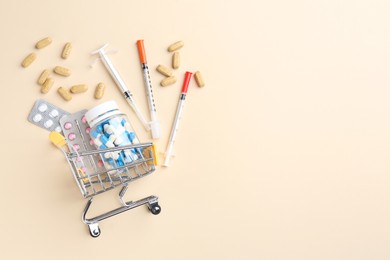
(46, 81)
(115, 132)
(167, 72)
(46, 115)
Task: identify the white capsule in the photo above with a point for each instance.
(37, 118)
(118, 141)
(110, 144)
(54, 113)
(42, 107)
(109, 129)
(127, 126)
(115, 156)
(97, 142)
(111, 138)
(48, 123)
(119, 130)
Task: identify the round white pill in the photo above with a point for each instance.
(42, 107)
(37, 118)
(48, 123)
(53, 113)
(58, 129)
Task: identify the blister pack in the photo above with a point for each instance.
(46, 115)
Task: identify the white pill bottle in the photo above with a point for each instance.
(110, 128)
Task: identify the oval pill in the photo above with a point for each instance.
(68, 125)
(37, 118)
(64, 93)
(43, 43)
(164, 70)
(47, 85)
(176, 60)
(62, 71)
(175, 46)
(42, 78)
(168, 81)
(42, 107)
(54, 113)
(78, 88)
(28, 60)
(99, 90)
(48, 123)
(199, 79)
(66, 50)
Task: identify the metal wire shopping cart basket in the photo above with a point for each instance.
(94, 179)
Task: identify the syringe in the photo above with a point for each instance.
(121, 84)
(154, 123)
(176, 122)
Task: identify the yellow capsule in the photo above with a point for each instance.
(78, 88)
(176, 60)
(168, 81)
(99, 90)
(66, 51)
(64, 93)
(57, 139)
(199, 79)
(42, 78)
(47, 85)
(43, 43)
(175, 46)
(28, 60)
(164, 70)
(62, 71)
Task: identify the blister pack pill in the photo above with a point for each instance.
(46, 115)
(76, 131)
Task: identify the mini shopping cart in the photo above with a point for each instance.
(92, 178)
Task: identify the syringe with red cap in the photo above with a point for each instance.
(176, 122)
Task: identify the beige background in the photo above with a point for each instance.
(283, 155)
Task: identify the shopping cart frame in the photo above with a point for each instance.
(110, 178)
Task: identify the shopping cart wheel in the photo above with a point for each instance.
(155, 208)
(94, 230)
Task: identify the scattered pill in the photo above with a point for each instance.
(62, 71)
(42, 107)
(78, 88)
(164, 70)
(42, 78)
(68, 125)
(168, 81)
(175, 46)
(199, 79)
(66, 50)
(37, 118)
(48, 123)
(54, 113)
(176, 60)
(43, 43)
(99, 90)
(64, 93)
(28, 60)
(72, 136)
(47, 85)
